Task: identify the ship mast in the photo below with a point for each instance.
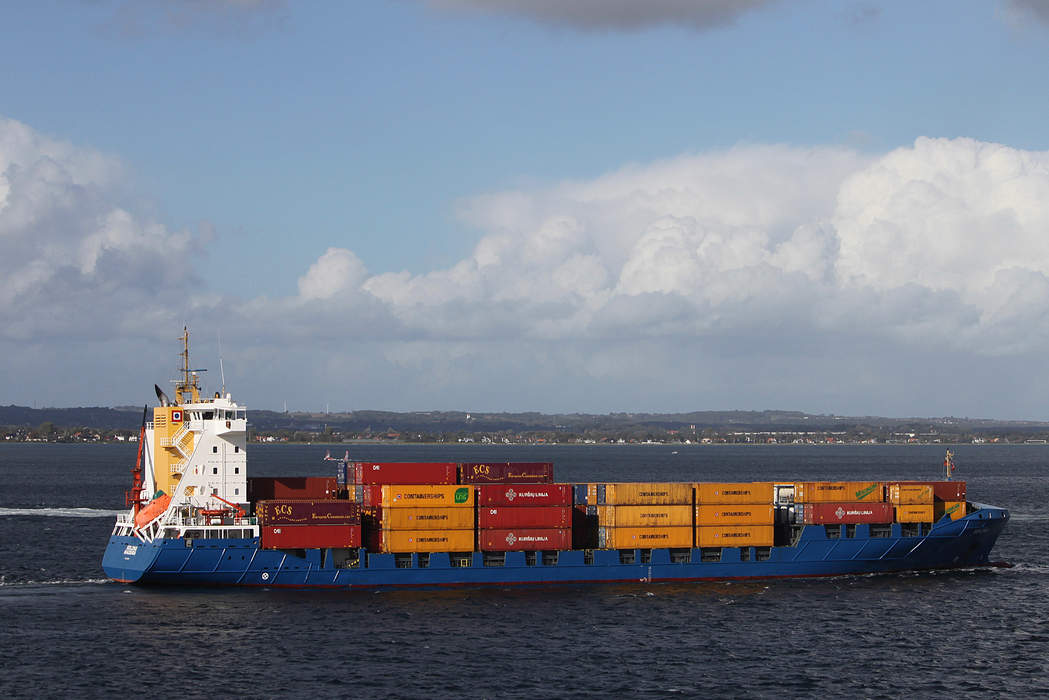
(188, 382)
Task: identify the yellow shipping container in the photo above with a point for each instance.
(752, 492)
(839, 492)
(591, 493)
(635, 494)
(644, 516)
(735, 536)
(955, 509)
(645, 537)
(427, 495)
(427, 541)
(742, 514)
(909, 494)
(428, 519)
(915, 513)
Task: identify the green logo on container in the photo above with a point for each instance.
(953, 508)
(462, 495)
(863, 493)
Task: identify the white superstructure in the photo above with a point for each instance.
(194, 464)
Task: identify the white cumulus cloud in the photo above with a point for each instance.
(71, 255)
(818, 278)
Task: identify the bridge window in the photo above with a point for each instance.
(214, 449)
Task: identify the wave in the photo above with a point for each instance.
(62, 512)
(4, 583)
(1025, 518)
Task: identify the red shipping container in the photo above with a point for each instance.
(406, 472)
(529, 540)
(943, 490)
(267, 488)
(845, 513)
(296, 512)
(309, 536)
(504, 518)
(524, 495)
(368, 495)
(506, 472)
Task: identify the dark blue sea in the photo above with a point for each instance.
(65, 631)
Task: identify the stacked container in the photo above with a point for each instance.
(366, 479)
(308, 524)
(530, 517)
(841, 503)
(265, 488)
(641, 515)
(735, 514)
(927, 501)
(506, 473)
(426, 518)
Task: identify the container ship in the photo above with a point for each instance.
(195, 517)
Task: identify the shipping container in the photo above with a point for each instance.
(527, 540)
(735, 536)
(955, 509)
(406, 472)
(916, 513)
(525, 494)
(579, 494)
(296, 512)
(506, 472)
(426, 495)
(426, 540)
(942, 490)
(344, 472)
(635, 494)
(839, 492)
(742, 514)
(842, 513)
(548, 517)
(643, 516)
(427, 519)
(368, 495)
(644, 537)
(268, 488)
(309, 536)
(740, 493)
(908, 494)
(949, 490)
(591, 493)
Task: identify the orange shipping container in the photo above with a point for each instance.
(635, 494)
(839, 491)
(644, 537)
(428, 519)
(644, 516)
(915, 513)
(735, 515)
(909, 494)
(735, 536)
(427, 495)
(426, 541)
(955, 509)
(726, 494)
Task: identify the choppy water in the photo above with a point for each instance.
(65, 631)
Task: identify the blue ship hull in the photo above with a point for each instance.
(948, 544)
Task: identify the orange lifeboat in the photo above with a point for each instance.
(152, 509)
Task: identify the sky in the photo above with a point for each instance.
(838, 207)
